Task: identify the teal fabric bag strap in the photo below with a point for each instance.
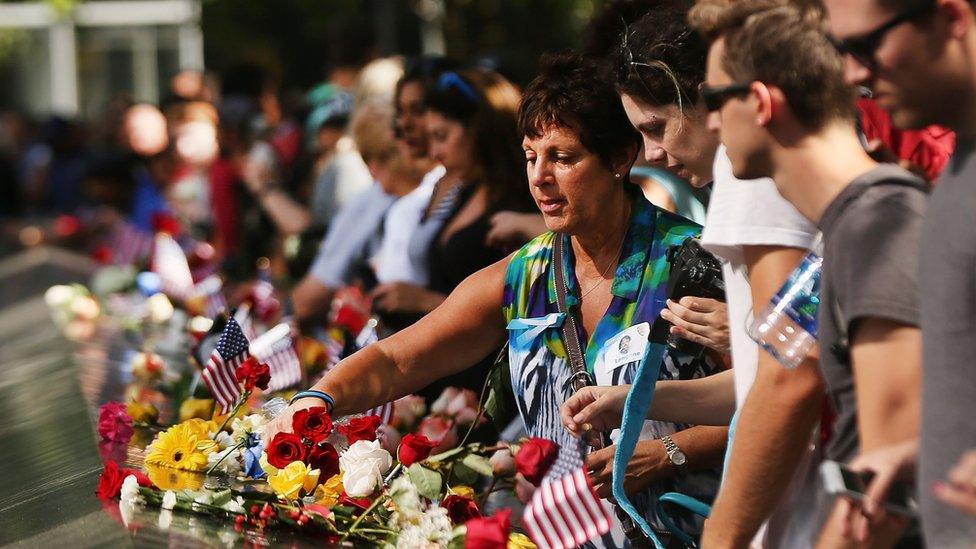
(635, 410)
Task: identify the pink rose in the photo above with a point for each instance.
(502, 462)
(407, 410)
(459, 404)
(114, 423)
(439, 430)
(389, 438)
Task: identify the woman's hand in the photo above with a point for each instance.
(509, 230)
(699, 320)
(889, 464)
(960, 490)
(404, 297)
(282, 423)
(649, 463)
(594, 409)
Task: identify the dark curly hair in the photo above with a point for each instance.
(666, 59)
(574, 92)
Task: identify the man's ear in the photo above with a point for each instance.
(958, 15)
(769, 100)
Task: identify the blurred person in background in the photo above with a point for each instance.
(353, 237)
(471, 126)
(195, 146)
(147, 138)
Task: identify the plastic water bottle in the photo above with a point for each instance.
(787, 326)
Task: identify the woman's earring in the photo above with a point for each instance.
(617, 175)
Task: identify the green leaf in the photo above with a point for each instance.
(500, 405)
(221, 497)
(462, 474)
(429, 483)
(479, 464)
(448, 454)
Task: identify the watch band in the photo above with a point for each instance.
(670, 448)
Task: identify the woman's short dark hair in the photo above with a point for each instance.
(661, 59)
(574, 92)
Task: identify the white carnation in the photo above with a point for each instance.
(243, 427)
(434, 530)
(407, 499)
(231, 464)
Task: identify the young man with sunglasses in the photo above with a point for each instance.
(778, 101)
(918, 57)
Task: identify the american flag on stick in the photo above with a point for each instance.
(169, 262)
(219, 375)
(385, 412)
(277, 348)
(243, 317)
(566, 513)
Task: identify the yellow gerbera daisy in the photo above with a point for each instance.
(179, 448)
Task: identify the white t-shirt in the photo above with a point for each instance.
(392, 262)
(747, 213)
(752, 213)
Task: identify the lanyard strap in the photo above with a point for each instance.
(581, 378)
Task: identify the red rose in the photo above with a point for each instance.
(114, 422)
(535, 457)
(488, 533)
(103, 255)
(460, 509)
(284, 449)
(110, 483)
(414, 448)
(361, 428)
(165, 223)
(324, 458)
(253, 374)
(312, 423)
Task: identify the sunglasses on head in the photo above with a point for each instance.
(862, 48)
(715, 98)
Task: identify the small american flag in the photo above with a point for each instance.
(169, 262)
(385, 412)
(277, 349)
(129, 244)
(212, 289)
(566, 513)
(219, 375)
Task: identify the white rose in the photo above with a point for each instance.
(363, 466)
(444, 400)
(169, 500)
(160, 308)
(59, 296)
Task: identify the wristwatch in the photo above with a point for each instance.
(675, 454)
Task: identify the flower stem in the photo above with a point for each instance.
(238, 446)
(370, 509)
(237, 408)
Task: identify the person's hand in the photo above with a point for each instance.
(594, 409)
(648, 464)
(960, 489)
(404, 297)
(889, 464)
(282, 423)
(510, 230)
(699, 320)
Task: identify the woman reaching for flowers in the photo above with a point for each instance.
(578, 147)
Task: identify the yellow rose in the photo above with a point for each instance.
(520, 541)
(289, 482)
(271, 470)
(464, 492)
(329, 491)
(196, 408)
(143, 412)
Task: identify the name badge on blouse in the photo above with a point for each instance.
(626, 347)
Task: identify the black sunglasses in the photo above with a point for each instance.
(862, 48)
(715, 98)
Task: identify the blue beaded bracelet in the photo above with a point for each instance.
(327, 398)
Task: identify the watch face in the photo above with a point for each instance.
(678, 458)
